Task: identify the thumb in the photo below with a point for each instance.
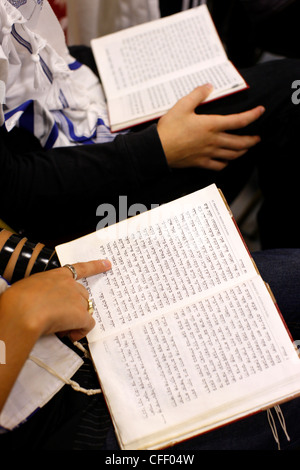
(189, 102)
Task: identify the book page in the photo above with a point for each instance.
(216, 356)
(145, 69)
(163, 257)
(187, 335)
(154, 100)
(143, 53)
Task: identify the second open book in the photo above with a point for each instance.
(188, 336)
(145, 69)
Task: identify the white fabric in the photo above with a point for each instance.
(35, 386)
(3, 285)
(47, 91)
(95, 18)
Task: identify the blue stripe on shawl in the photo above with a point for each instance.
(75, 65)
(22, 107)
(52, 137)
(74, 137)
(27, 119)
(100, 122)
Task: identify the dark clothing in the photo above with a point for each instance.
(263, 8)
(54, 194)
(277, 31)
(250, 28)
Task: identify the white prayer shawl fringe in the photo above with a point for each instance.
(48, 92)
(273, 424)
(70, 382)
(73, 384)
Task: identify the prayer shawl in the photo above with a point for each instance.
(47, 91)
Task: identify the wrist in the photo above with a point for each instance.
(169, 142)
(19, 332)
(20, 316)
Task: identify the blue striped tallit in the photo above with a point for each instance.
(48, 92)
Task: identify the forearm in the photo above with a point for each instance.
(19, 337)
(43, 304)
(18, 259)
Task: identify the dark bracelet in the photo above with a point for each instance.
(42, 260)
(7, 251)
(22, 261)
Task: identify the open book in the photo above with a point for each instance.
(145, 69)
(188, 336)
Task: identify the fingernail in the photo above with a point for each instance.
(106, 263)
(209, 86)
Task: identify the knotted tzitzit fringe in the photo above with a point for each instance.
(70, 382)
(82, 348)
(10, 16)
(59, 70)
(37, 44)
(273, 424)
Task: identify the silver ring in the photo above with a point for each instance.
(72, 269)
(90, 307)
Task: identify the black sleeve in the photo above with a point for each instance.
(49, 194)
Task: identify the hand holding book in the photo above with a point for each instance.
(192, 140)
(147, 68)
